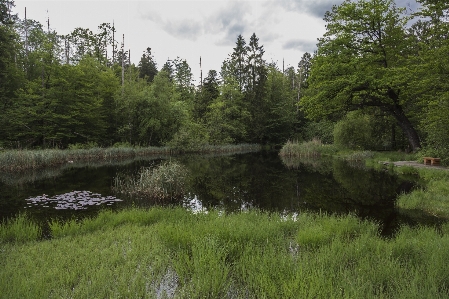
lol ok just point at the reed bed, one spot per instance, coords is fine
(162, 183)
(313, 148)
(173, 253)
(19, 160)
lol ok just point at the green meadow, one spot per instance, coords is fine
(174, 253)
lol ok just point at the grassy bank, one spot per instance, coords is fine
(18, 160)
(433, 198)
(177, 254)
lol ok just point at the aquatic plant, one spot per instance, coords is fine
(313, 148)
(74, 200)
(161, 183)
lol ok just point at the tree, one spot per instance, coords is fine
(431, 74)
(238, 62)
(162, 113)
(281, 116)
(147, 66)
(256, 91)
(11, 74)
(362, 61)
(206, 95)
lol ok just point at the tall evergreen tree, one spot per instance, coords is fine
(238, 62)
(147, 66)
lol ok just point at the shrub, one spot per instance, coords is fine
(355, 131)
(322, 130)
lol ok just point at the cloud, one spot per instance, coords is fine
(224, 20)
(411, 6)
(317, 8)
(187, 29)
(300, 45)
(230, 20)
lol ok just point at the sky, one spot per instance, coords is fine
(190, 29)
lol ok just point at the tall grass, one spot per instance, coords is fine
(19, 229)
(18, 160)
(172, 253)
(313, 148)
(161, 183)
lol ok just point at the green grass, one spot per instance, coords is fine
(172, 252)
(19, 230)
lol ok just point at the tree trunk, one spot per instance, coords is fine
(406, 126)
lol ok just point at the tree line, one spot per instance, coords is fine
(378, 80)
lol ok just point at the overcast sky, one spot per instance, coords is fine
(190, 29)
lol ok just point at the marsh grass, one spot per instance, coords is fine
(19, 160)
(162, 183)
(173, 253)
(19, 229)
(313, 148)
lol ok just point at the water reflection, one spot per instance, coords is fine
(230, 183)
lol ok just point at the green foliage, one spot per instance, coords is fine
(147, 66)
(322, 130)
(355, 131)
(362, 62)
(190, 137)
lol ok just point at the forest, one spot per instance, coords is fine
(379, 80)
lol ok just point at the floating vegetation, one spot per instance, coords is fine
(75, 200)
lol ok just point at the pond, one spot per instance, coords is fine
(227, 182)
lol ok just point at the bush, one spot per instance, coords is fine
(355, 131)
(89, 145)
(322, 130)
(189, 138)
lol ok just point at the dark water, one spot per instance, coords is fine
(231, 183)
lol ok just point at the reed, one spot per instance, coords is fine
(161, 183)
(173, 253)
(19, 160)
(313, 148)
